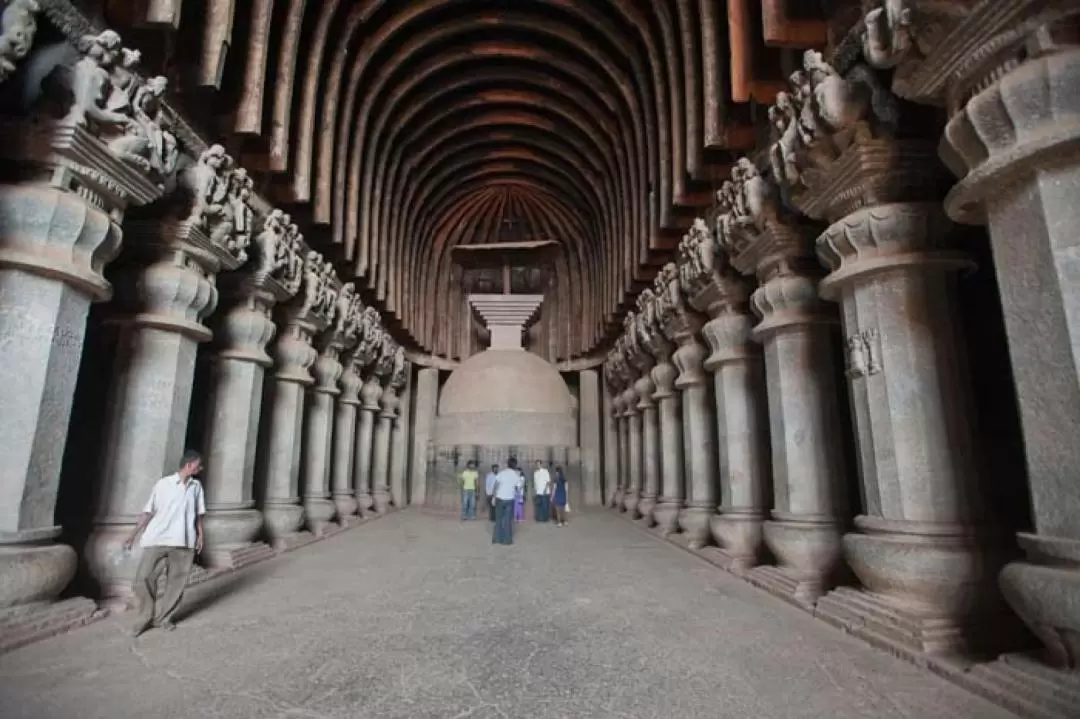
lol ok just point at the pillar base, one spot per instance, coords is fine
(630, 503)
(346, 505)
(666, 515)
(1045, 591)
(102, 548)
(617, 501)
(381, 500)
(320, 512)
(809, 552)
(927, 585)
(646, 506)
(283, 519)
(238, 556)
(35, 573)
(28, 623)
(694, 520)
(231, 528)
(739, 535)
(364, 504)
(1025, 685)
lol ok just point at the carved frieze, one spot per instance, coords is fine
(706, 274)
(279, 248)
(317, 301)
(863, 354)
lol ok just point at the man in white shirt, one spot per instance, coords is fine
(542, 490)
(506, 483)
(172, 534)
(489, 491)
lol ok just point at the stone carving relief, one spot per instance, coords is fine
(863, 353)
(320, 292)
(215, 198)
(400, 374)
(888, 33)
(384, 362)
(18, 26)
(349, 311)
(110, 100)
(280, 246)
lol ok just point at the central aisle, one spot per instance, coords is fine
(416, 616)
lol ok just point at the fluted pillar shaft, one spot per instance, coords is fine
(319, 437)
(589, 423)
(1015, 146)
(56, 236)
(370, 395)
(293, 358)
(633, 428)
(399, 448)
(625, 452)
(341, 476)
(611, 442)
(809, 476)
(427, 398)
(380, 451)
(699, 441)
(232, 421)
(742, 436)
(650, 448)
(150, 396)
(672, 490)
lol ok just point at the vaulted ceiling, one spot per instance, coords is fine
(401, 128)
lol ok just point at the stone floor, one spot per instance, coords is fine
(420, 616)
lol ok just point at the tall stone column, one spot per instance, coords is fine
(650, 448)
(399, 443)
(797, 333)
(320, 417)
(625, 451)
(681, 325)
(341, 475)
(1014, 144)
(589, 421)
(167, 288)
(294, 356)
(621, 469)
(59, 227)
(739, 389)
(370, 394)
(427, 398)
(233, 412)
(389, 366)
(611, 439)
(633, 430)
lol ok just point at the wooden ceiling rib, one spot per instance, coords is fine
(402, 129)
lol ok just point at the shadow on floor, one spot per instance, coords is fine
(208, 593)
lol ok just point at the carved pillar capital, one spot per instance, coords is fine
(351, 383)
(371, 393)
(389, 402)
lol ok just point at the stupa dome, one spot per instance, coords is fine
(505, 397)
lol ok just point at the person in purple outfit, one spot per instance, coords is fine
(519, 504)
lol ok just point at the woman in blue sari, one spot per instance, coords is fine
(558, 498)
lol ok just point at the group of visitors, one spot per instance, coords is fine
(505, 492)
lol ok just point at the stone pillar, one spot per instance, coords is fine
(319, 510)
(1015, 146)
(233, 413)
(809, 477)
(743, 436)
(341, 476)
(611, 440)
(163, 304)
(294, 357)
(623, 419)
(589, 424)
(427, 398)
(699, 440)
(633, 430)
(672, 491)
(399, 447)
(650, 448)
(370, 395)
(58, 230)
(380, 449)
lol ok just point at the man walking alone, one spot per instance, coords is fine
(542, 488)
(172, 520)
(489, 491)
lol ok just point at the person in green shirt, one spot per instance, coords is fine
(468, 491)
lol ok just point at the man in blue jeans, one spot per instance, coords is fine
(506, 483)
(468, 491)
(542, 488)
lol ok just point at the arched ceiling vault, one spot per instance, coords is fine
(401, 129)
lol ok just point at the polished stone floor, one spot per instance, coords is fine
(417, 616)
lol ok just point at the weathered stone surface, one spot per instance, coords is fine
(295, 636)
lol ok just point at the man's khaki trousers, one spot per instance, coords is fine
(176, 563)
